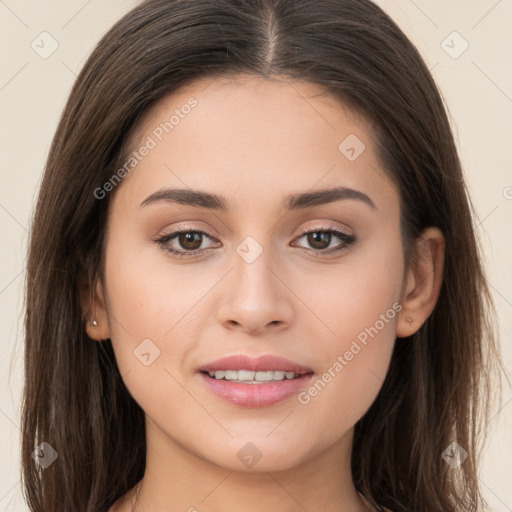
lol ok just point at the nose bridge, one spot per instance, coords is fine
(254, 298)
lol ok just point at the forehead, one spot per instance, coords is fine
(248, 135)
(245, 91)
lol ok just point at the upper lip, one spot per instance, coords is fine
(258, 364)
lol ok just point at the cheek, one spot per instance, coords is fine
(153, 313)
(355, 364)
(359, 292)
(359, 314)
(150, 299)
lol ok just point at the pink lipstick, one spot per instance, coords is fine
(255, 382)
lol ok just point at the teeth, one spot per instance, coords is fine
(245, 375)
(251, 377)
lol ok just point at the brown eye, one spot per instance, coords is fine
(319, 239)
(185, 242)
(190, 240)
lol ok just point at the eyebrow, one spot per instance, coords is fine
(210, 201)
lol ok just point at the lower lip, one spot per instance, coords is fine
(256, 395)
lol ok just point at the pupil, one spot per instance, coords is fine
(190, 240)
(319, 240)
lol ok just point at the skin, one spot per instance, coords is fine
(254, 142)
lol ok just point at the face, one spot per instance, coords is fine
(255, 259)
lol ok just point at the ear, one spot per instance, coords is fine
(96, 318)
(422, 283)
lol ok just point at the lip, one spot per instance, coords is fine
(264, 363)
(255, 395)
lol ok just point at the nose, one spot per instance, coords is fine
(255, 298)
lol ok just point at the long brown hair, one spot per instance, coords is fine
(438, 387)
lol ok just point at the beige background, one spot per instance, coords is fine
(476, 84)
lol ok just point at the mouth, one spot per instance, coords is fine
(255, 382)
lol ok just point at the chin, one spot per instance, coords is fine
(258, 456)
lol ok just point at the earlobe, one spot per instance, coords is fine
(423, 282)
(96, 318)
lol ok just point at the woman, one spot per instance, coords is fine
(253, 280)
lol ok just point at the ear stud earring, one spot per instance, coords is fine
(94, 323)
(408, 319)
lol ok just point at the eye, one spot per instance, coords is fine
(184, 242)
(189, 242)
(321, 239)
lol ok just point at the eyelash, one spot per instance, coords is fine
(348, 241)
